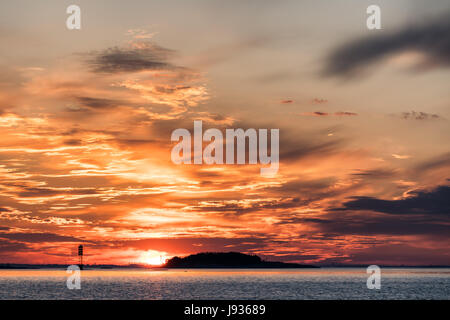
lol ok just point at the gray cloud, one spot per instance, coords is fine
(30, 192)
(375, 173)
(419, 116)
(38, 237)
(431, 39)
(433, 202)
(393, 254)
(291, 150)
(116, 60)
(438, 162)
(98, 103)
(372, 226)
(219, 206)
(325, 114)
(7, 247)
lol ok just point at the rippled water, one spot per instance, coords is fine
(324, 283)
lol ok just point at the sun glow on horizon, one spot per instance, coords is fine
(153, 258)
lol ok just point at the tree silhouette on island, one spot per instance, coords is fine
(227, 260)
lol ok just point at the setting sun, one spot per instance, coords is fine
(153, 258)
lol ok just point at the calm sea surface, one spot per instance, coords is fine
(324, 283)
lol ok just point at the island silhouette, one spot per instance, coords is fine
(199, 260)
(227, 260)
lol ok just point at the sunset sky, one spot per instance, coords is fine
(86, 118)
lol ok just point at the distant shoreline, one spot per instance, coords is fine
(14, 266)
(208, 260)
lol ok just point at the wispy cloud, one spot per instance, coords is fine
(413, 115)
(324, 114)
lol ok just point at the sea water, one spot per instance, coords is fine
(323, 283)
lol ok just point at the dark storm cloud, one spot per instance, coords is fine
(115, 60)
(432, 39)
(433, 202)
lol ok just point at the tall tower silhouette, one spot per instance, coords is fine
(80, 255)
